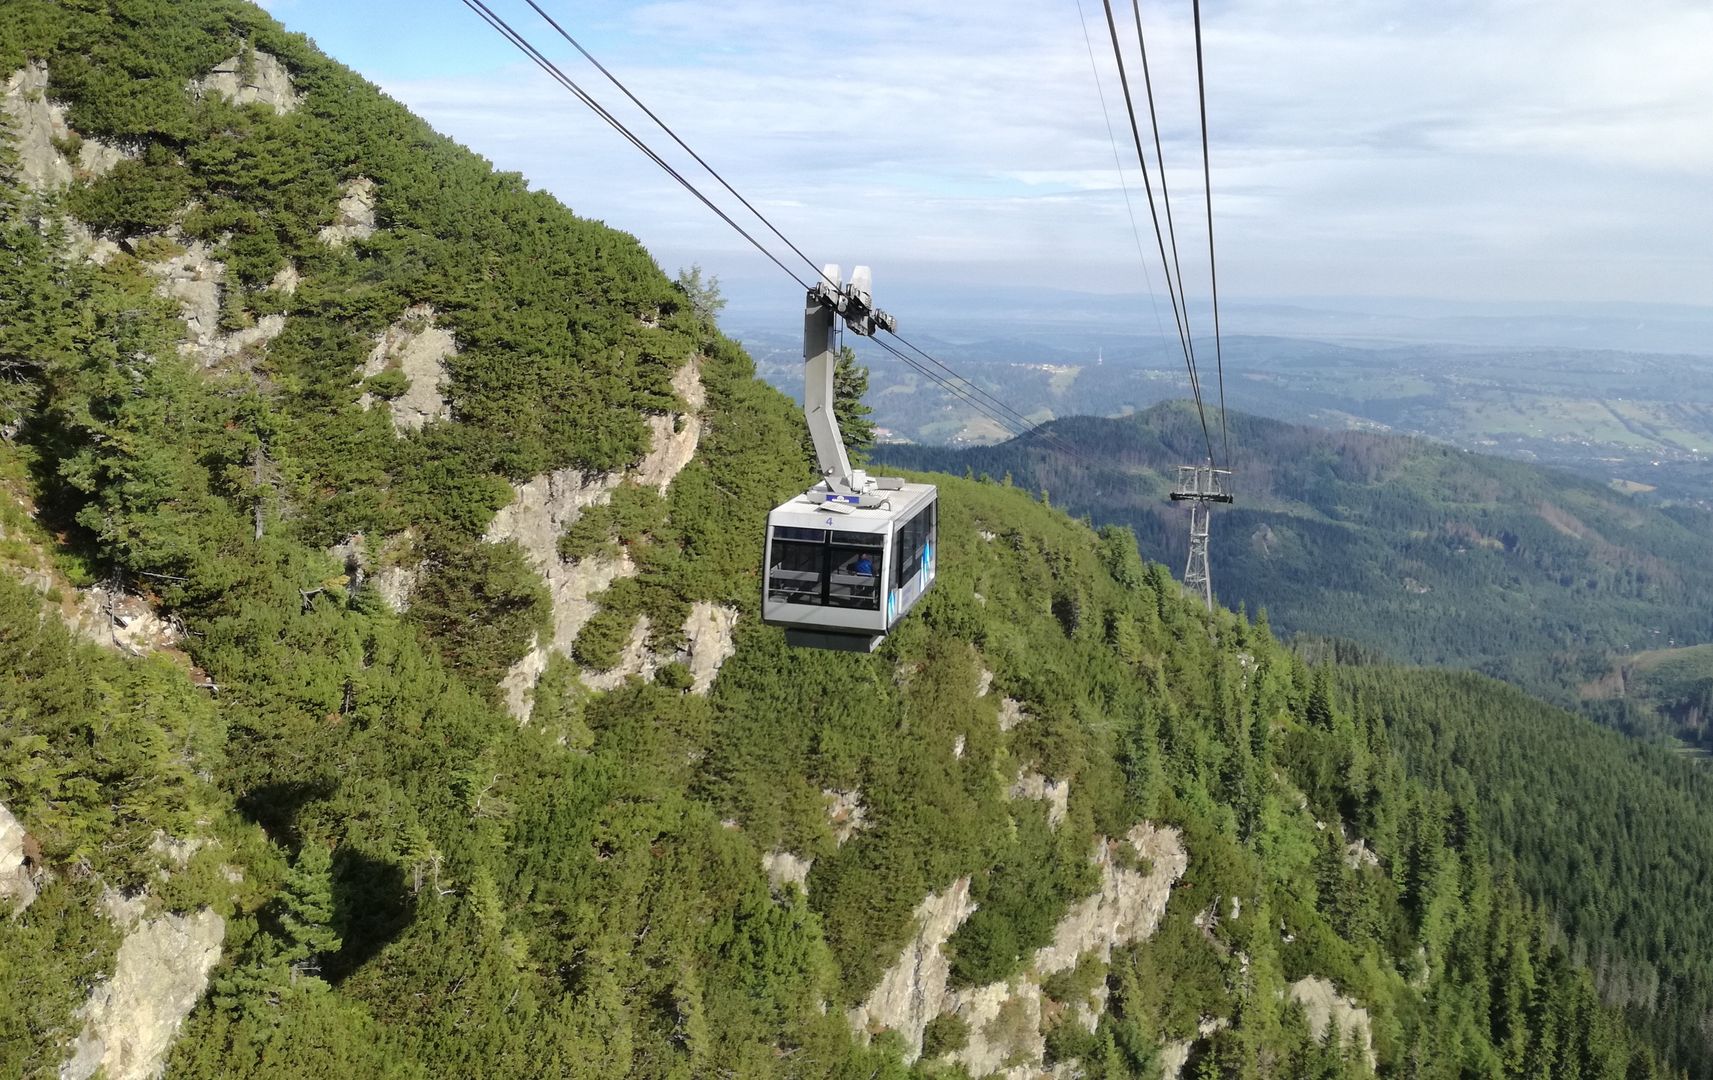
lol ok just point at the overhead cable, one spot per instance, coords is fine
(1166, 196)
(1030, 426)
(1159, 236)
(614, 79)
(1212, 266)
(1004, 415)
(1020, 417)
(1118, 165)
(564, 80)
(1011, 427)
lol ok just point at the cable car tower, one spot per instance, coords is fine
(848, 558)
(1201, 486)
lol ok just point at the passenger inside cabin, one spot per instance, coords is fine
(864, 566)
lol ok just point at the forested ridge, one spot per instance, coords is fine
(1430, 553)
(1612, 835)
(410, 882)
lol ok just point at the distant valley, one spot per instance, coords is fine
(1431, 554)
(1640, 422)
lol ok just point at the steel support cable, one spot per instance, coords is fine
(614, 79)
(1165, 192)
(1159, 236)
(565, 81)
(973, 387)
(1017, 429)
(1022, 425)
(1166, 197)
(1029, 425)
(1118, 164)
(1212, 267)
(952, 388)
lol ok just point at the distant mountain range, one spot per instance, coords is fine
(1076, 319)
(1639, 420)
(1429, 553)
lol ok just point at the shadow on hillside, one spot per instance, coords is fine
(371, 907)
(371, 902)
(275, 806)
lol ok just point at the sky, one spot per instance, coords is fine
(1503, 152)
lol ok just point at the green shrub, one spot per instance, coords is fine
(946, 1033)
(603, 639)
(389, 384)
(1068, 1040)
(137, 196)
(481, 605)
(674, 676)
(1077, 984)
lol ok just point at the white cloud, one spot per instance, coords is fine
(1502, 148)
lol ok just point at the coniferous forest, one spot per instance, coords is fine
(410, 860)
(1425, 552)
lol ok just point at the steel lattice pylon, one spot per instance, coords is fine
(1201, 486)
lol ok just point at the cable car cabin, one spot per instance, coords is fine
(848, 558)
(841, 576)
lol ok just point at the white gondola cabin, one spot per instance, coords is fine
(851, 556)
(840, 576)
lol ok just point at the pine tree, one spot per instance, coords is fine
(307, 914)
(850, 385)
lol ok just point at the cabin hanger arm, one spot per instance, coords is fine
(826, 303)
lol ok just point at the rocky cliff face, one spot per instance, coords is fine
(252, 78)
(1324, 1005)
(543, 508)
(131, 1019)
(1004, 1018)
(914, 989)
(418, 349)
(17, 885)
(37, 124)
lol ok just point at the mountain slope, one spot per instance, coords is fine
(461, 749)
(1432, 554)
(1612, 835)
(1658, 693)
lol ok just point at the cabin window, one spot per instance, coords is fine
(840, 569)
(854, 578)
(914, 538)
(797, 574)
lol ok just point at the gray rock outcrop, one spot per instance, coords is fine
(394, 584)
(17, 886)
(123, 621)
(1323, 1005)
(708, 633)
(545, 506)
(1004, 1018)
(286, 279)
(783, 868)
(257, 79)
(845, 814)
(675, 435)
(913, 990)
(356, 217)
(96, 158)
(419, 349)
(36, 123)
(130, 1020)
(1055, 793)
(194, 278)
(634, 659)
